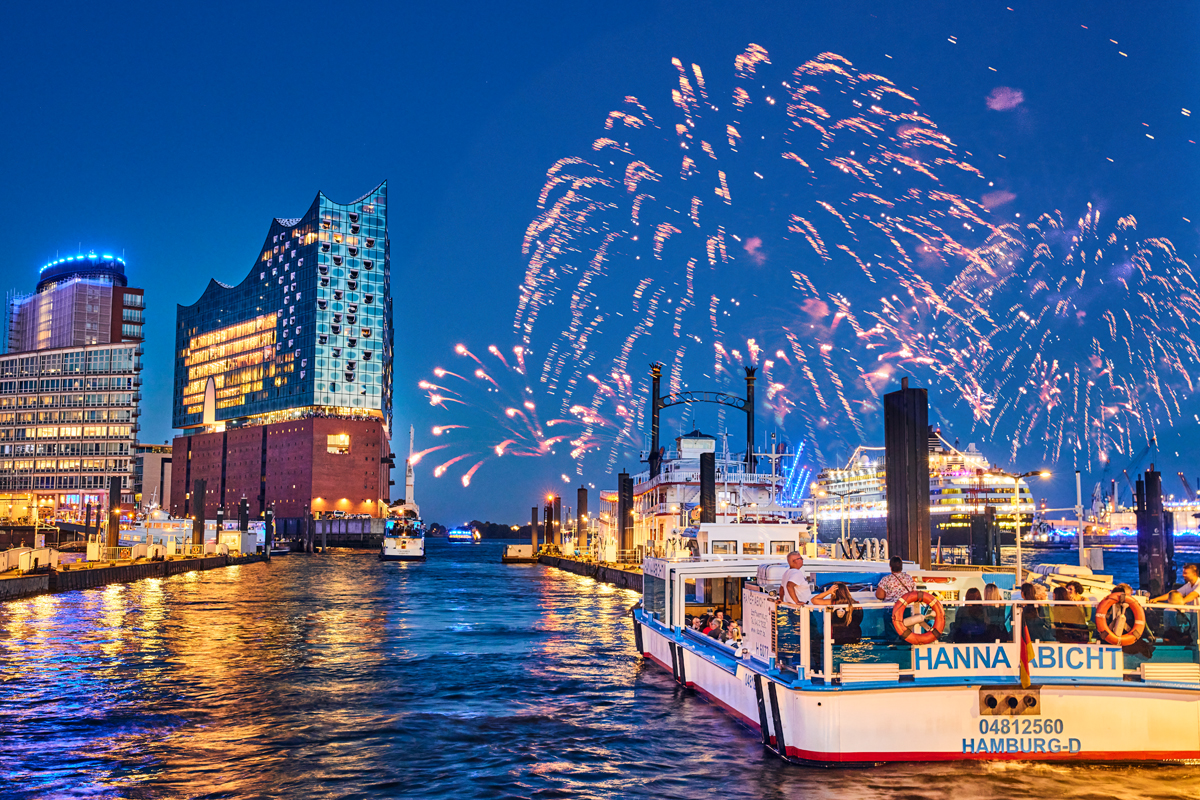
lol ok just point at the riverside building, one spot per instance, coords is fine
(283, 383)
(70, 389)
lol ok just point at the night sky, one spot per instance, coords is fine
(174, 134)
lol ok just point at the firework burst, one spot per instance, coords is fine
(795, 214)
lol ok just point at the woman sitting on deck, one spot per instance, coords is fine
(846, 620)
(1033, 618)
(996, 614)
(1070, 622)
(970, 623)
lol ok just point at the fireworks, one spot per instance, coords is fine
(506, 420)
(1093, 349)
(817, 224)
(808, 213)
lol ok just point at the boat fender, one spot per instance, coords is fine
(1106, 633)
(905, 625)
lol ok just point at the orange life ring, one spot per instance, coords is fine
(1106, 633)
(907, 633)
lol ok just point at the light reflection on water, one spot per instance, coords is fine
(339, 676)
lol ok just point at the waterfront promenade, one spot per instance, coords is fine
(85, 576)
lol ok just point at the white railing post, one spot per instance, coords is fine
(805, 644)
(827, 656)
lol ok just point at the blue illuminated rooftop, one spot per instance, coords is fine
(92, 265)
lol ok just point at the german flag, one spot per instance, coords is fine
(1026, 656)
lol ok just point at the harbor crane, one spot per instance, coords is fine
(1187, 488)
(1134, 463)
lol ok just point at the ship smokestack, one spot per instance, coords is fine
(708, 487)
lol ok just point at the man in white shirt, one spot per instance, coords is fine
(795, 590)
(1190, 588)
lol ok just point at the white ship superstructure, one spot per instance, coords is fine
(667, 505)
(962, 483)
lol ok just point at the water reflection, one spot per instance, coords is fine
(340, 676)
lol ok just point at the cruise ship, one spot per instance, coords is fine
(962, 483)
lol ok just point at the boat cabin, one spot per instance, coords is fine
(751, 539)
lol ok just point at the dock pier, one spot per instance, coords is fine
(84, 577)
(623, 578)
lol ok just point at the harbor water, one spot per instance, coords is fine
(338, 676)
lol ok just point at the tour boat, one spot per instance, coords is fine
(403, 540)
(462, 535)
(910, 688)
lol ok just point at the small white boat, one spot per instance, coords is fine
(913, 680)
(404, 540)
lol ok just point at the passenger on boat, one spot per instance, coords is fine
(716, 625)
(734, 632)
(1178, 627)
(1032, 617)
(970, 622)
(846, 618)
(892, 587)
(1070, 622)
(1190, 590)
(794, 589)
(996, 613)
(1075, 592)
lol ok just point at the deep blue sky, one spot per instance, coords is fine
(175, 133)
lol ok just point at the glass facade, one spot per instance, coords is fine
(68, 422)
(307, 332)
(79, 300)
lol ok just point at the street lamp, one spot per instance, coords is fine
(1041, 473)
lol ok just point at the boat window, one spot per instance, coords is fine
(654, 597)
(753, 548)
(724, 547)
(782, 548)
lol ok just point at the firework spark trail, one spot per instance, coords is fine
(819, 214)
(506, 407)
(835, 173)
(1099, 348)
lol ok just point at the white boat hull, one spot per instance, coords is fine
(858, 724)
(402, 548)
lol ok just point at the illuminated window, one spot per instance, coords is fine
(338, 444)
(726, 547)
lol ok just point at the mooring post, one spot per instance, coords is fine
(751, 461)
(655, 404)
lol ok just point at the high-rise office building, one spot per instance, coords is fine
(152, 475)
(79, 300)
(70, 389)
(283, 383)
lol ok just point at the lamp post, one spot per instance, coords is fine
(1041, 473)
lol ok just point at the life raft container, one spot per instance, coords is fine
(1106, 633)
(905, 625)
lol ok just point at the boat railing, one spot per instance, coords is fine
(1063, 641)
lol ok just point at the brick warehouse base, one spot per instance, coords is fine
(287, 465)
